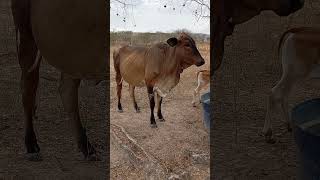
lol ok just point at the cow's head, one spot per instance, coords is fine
(228, 13)
(186, 51)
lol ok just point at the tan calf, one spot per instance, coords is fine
(299, 51)
(203, 79)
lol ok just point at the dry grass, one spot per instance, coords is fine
(173, 141)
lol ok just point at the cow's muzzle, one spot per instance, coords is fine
(200, 62)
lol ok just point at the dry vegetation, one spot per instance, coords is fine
(170, 148)
(134, 38)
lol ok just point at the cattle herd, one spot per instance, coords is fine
(77, 49)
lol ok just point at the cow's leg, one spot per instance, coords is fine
(27, 51)
(119, 89)
(153, 123)
(159, 113)
(196, 91)
(29, 85)
(196, 94)
(279, 98)
(135, 105)
(286, 114)
(68, 90)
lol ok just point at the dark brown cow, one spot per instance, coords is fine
(228, 13)
(73, 40)
(158, 67)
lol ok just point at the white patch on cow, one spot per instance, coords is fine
(165, 84)
(159, 92)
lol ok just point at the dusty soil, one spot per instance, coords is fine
(178, 147)
(61, 160)
(240, 91)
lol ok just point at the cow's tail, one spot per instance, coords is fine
(116, 62)
(285, 35)
(115, 55)
(281, 41)
(116, 65)
(200, 71)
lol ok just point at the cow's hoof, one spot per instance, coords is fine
(269, 137)
(138, 111)
(270, 140)
(162, 120)
(153, 125)
(31, 143)
(120, 111)
(194, 104)
(35, 157)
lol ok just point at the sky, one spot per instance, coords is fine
(152, 16)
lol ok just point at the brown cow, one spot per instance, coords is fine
(299, 53)
(73, 40)
(203, 79)
(228, 13)
(158, 67)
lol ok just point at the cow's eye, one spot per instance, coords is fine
(187, 45)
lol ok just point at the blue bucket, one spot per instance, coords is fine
(306, 128)
(206, 106)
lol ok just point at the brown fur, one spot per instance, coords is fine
(158, 67)
(74, 44)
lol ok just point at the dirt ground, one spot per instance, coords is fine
(250, 69)
(179, 147)
(61, 160)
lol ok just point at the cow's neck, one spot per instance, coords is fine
(172, 60)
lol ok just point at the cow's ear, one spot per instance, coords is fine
(172, 41)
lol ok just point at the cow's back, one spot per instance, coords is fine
(132, 64)
(76, 43)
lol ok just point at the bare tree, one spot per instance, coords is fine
(121, 8)
(125, 8)
(199, 8)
